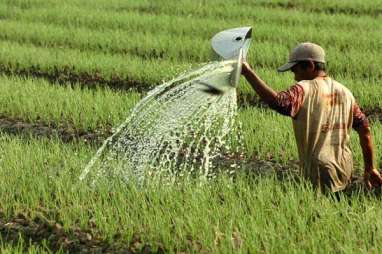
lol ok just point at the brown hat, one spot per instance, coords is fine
(303, 52)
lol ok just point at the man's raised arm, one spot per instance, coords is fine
(265, 92)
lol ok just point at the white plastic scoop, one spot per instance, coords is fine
(228, 43)
(231, 45)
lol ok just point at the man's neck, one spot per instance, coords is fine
(319, 74)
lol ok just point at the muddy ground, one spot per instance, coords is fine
(69, 133)
(37, 230)
(65, 132)
(69, 76)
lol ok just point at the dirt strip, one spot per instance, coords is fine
(65, 132)
(69, 77)
(37, 230)
(374, 114)
(69, 133)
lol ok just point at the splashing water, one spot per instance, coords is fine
(178, 129)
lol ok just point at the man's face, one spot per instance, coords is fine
(298, 72)
(303, 73)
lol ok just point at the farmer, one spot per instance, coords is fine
(323, 112)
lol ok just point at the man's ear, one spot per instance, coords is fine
(311, 66)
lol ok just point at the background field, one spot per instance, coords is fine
(70, 72)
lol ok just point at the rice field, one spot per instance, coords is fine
(71, 72)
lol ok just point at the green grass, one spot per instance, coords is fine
(101, 43)
(166, 43)
(28, 59)
(250, 214)
(139, 44)
(217, 7)
(82, 108)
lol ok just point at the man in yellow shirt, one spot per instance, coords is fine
(323, 112)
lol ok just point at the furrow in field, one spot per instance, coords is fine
(51, 234)
(65, 64)
(70, 64)
(88, 109)
(63, 131)
(67, 132)
(67, 77)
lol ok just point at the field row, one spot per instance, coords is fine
(181, 25)
(130, 71)
(91, 109)
(249, 214)
(101, 109)
(184, 47)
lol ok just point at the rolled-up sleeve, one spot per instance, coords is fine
(288, 102)
(359, 118)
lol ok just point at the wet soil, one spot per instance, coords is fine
(37, 230)
(374, 114)
(69, 133)
(68, 76)
(65, 132)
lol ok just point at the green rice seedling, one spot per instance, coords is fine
(78, 65)
(131, 70)
(223, 9)
(167, 45)
(82, 108)
(248, 214)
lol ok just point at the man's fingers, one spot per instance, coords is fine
(368, 184)
(379, 177)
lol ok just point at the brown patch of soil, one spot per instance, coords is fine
(69, 133)
(69, 76)
(374, 114)
(73, 240)
(65, 131)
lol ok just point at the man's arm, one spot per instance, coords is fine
(361, 125)
(286, 102)
(366, 142)
(265, 92)
(372, 176)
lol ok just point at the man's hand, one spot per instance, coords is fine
(372, 178)
(245, 68)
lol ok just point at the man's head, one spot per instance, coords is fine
(306, 61)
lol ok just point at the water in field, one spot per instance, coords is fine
(181, 128)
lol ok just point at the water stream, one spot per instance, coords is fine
(181, 128)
